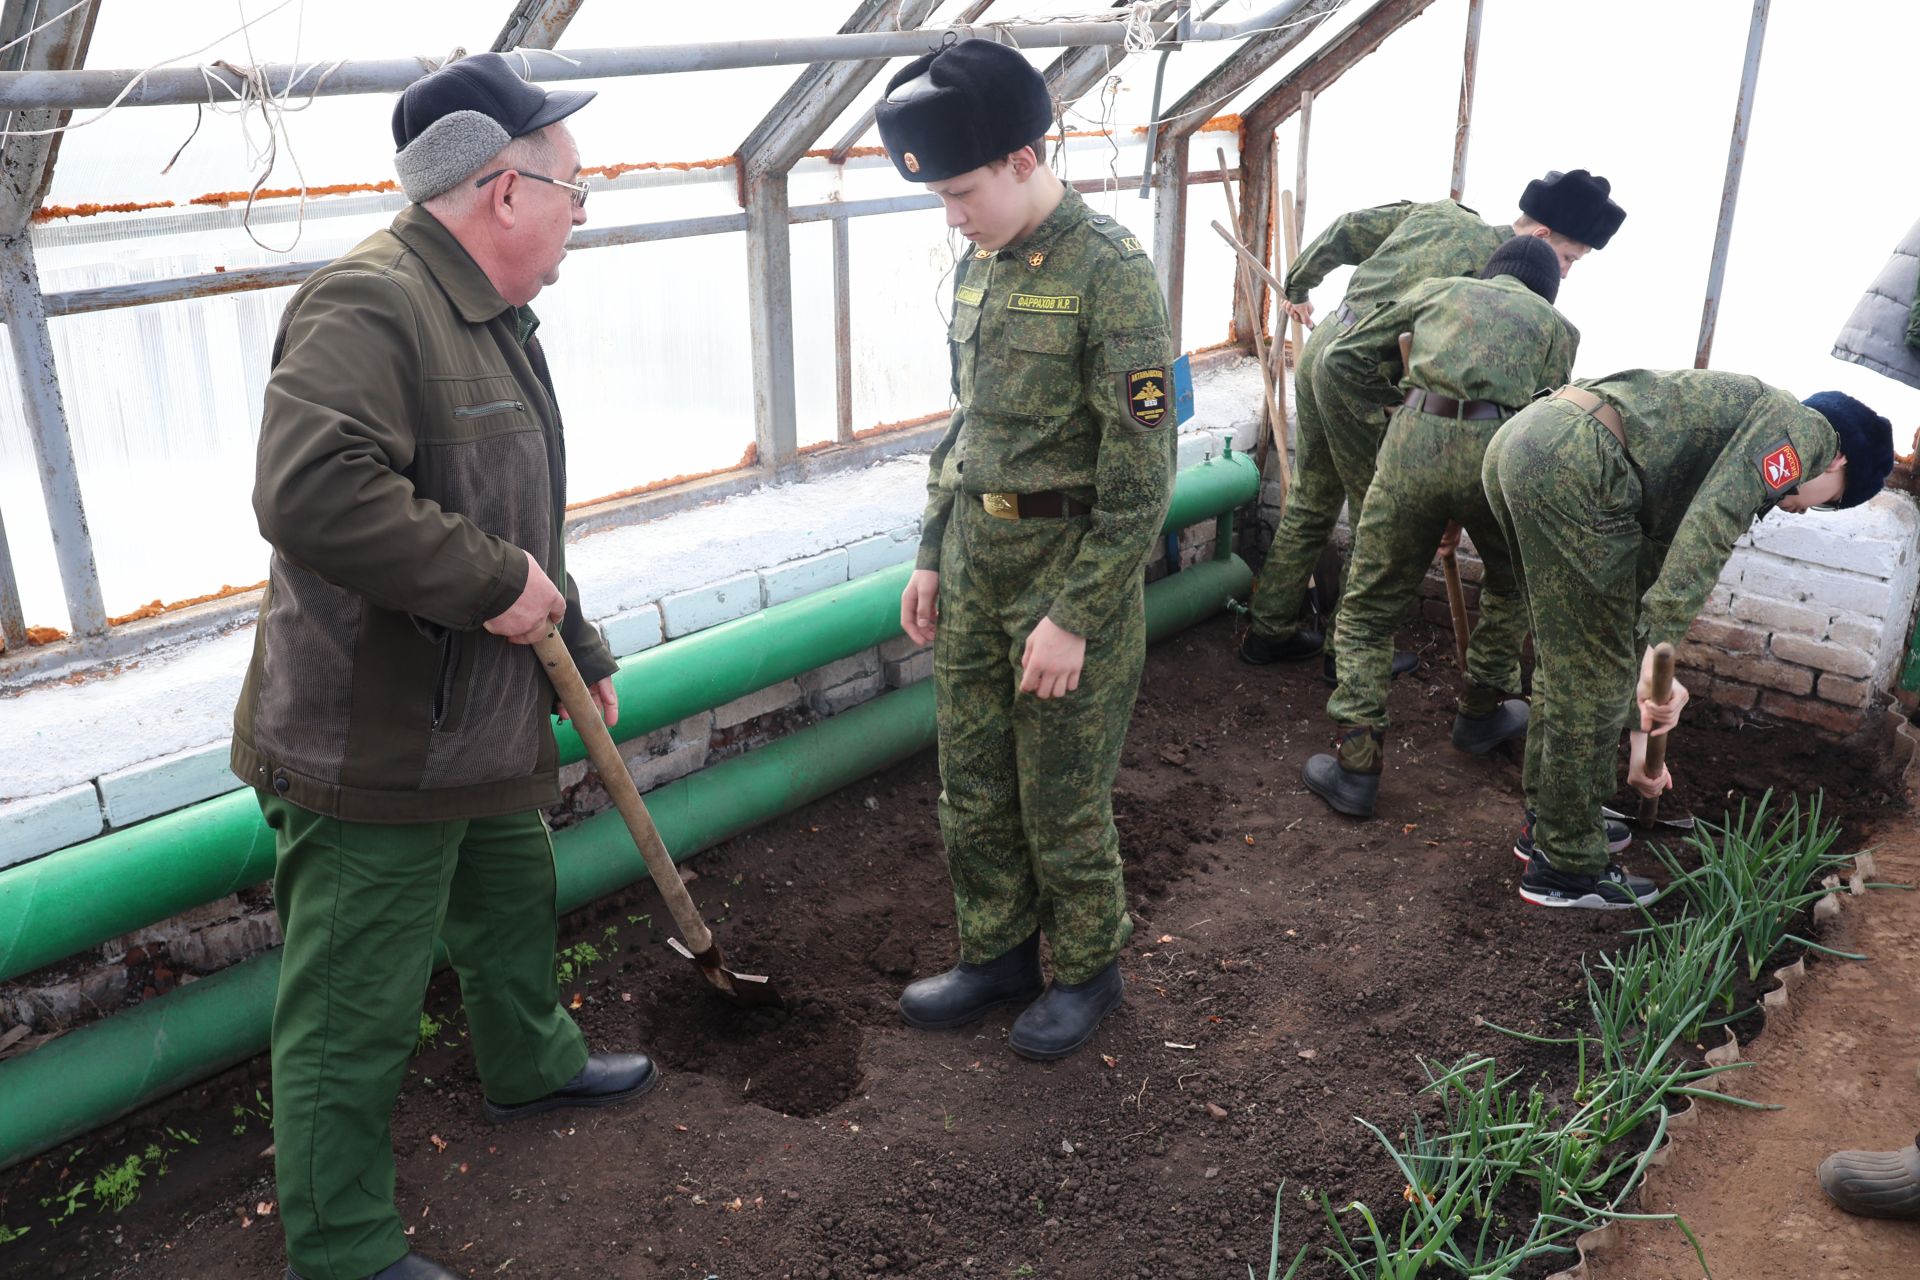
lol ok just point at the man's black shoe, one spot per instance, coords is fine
(1348, 791)
(607, 1079)
(1403, 662)
(411, 1267)
(1066, 1016)
(1259, 650)
(1611, 890)
(1619, 836)
(967, 992)
(1481, 734)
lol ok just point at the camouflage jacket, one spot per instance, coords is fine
(1712, 451)
(1394, 247)
(1472, 340)
(1061, 356)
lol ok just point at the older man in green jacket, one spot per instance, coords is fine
(411, 480)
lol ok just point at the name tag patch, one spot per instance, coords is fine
(969, 295)
(1780, 466)
(1145, 392)
(1047, 304)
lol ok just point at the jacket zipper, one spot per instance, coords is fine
(487, 409)
(443, 686)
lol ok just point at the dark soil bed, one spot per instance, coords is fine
(1288, 971)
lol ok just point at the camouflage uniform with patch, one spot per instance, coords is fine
(1486, 340)
(1392, 248)
(1618, 550)
(1061, 356)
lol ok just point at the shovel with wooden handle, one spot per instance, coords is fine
(1449, 562)
(700, 946)
(1657, 743)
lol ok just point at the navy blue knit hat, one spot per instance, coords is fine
(1866, 439)
(1531, 261)
(962, 106)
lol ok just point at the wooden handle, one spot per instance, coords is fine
(607, 762)
(1290, 240)
(1657, 744)
(1456, 604)
(1406, 352)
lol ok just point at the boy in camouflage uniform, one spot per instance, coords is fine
(1043, 501)
(1621, 498)
(1391, 248)
(1480, 349)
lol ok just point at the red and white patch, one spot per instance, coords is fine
(1780, 468)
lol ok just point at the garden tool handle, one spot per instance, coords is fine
(607, 762)
(1456, 605)
(1657, 743)
(1406, 353)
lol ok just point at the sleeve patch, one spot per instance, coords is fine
(1146, 396)
(1779, 466)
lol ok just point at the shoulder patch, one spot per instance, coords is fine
(1145, 394)
(1121, 238)
(1779, 465)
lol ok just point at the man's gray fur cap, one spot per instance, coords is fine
(450, 122)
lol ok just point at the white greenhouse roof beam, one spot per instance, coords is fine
(26, 164)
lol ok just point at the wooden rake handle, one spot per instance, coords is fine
(1657, 744)
(607, 762)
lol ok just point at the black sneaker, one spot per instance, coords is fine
(1259, 651)
(1612, 890)
(1619, 836)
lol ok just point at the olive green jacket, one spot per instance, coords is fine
(410, 450)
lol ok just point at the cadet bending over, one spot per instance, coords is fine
(1481, 348)
(1621, 498)
(1392, 248)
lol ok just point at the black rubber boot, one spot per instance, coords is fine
(1350, 780)
(1258, 650)
(1403, 662)
(1874, 1184)
(1481, 734)
(968, 992)
(1066, 1016)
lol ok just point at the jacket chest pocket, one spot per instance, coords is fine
(1032, 366)
(961, 347)
(463, 410)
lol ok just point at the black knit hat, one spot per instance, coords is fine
(960, 107)
(1575, 204)
(1531, 261)
(1866, 439)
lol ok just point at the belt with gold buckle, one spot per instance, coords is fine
(1026, 506)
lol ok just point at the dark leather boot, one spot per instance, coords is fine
(411, 1267)
(1479, 729)
(1066, 1016)
(1259, 650)
(968, 992)
(1349, 780)
(1875, 1184)
(608, 1078)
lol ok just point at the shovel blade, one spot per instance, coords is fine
(1682, 823)
(749, 990)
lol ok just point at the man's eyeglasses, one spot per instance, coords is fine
(579, 189)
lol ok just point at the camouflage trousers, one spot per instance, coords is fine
(1026, 800)
(1332, 463)
(1428, 473)
(1568, 501)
